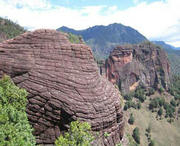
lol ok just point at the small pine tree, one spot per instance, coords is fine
(152, 143)
(160, 112)
(136, 135)
(131, 119)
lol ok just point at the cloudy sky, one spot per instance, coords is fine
(156, 19)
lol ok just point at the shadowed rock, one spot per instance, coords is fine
(146, 64)
(63, 83)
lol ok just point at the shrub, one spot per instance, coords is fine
(156, 102)
(148, 129)
(74, 38)
(151, 91)
(15, 129)
(173, 102)
(128, 96)
(160, 112)
(139, 105)
(131, 119)
(130, 104)
(152, 143)
(140, 94)
(125, 107)
(153, 104)
(161, 90)
(106, 134)
(79, 134)
(136, 135)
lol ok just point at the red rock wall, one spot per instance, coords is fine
(145, 63)
(63, 83)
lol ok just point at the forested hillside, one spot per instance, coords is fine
(9, 29)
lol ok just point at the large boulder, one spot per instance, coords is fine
(64, 85)
(129, 66)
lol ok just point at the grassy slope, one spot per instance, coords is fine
(164, 133)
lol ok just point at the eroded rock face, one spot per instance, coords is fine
(63, 83)
(129, 66)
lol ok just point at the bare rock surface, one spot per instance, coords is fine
(146, 64)
(63, 83)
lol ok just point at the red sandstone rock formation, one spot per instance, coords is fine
(63, 83)
(128, 66)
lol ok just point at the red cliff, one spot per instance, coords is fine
(64, 85)
(145, 64)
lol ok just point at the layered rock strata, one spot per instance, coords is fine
(64, 85)
(145, 64)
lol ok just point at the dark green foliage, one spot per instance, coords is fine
(140, 94)
(151, 91)
(156, 102)
(139, 105)
(173, 102)
(152, 143)
(169, 110)
(160, 112)
(130, 104)
(136, 135)
(15, 129)
(125, 107)
(128, 96)
(79, 134)
(148, 129)
(161, 90)
(9, 29)
(131, 119)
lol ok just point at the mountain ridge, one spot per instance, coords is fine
(102, 39)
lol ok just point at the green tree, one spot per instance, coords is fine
(79, 134)
(152, 143)
(139, 105)
(151, 91)
(173, 102)
(140, 94)
(161, 90)
(15, 129)
(160, 112)
(136, 135)
(131, 119)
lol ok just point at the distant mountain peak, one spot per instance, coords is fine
(102, 39)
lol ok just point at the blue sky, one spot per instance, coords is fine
(121, 4)
(156, 19)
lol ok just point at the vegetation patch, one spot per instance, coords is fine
(9, 29)
(15, 129)
(79, 134)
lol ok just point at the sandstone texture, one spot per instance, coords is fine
(64, 84)
(132, 65)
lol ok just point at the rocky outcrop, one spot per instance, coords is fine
(64, 85)
(145, 64)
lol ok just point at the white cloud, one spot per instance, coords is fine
(159, 20)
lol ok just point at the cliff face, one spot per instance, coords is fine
(129, 66)
(64, 85)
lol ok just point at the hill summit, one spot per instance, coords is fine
(102, 39)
